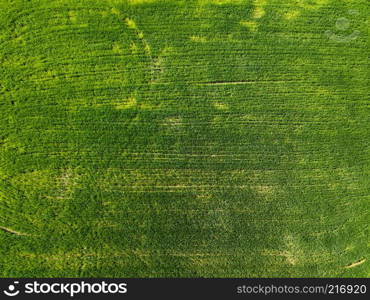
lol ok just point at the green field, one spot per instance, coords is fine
(194, 138)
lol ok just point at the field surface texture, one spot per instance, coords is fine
(198, 138)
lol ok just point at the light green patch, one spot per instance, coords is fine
(293, 251)
(173, 121)
(130, 23)
(291, 15)
(251, 25)
(259, 9)
(199, 39)
(266, 191)
(220, 106)
(140, 1)
(115, 11)
(134, 48)
(127, 103)
(117, 48)
(147, 47)
(220, 2)
(311, 4)
(72, 16)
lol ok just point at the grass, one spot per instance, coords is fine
(184, 138)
